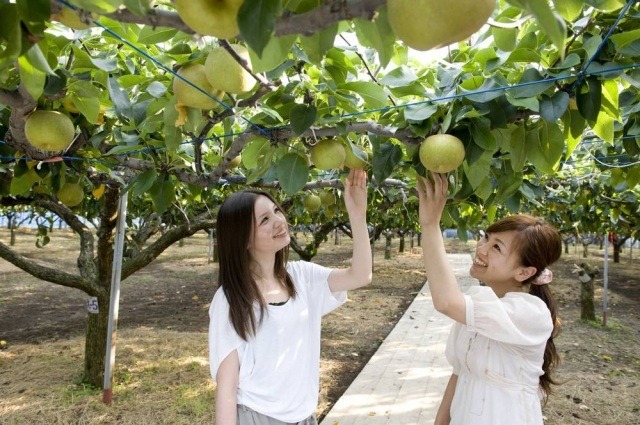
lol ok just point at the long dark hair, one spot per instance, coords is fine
(539, 245)
(234, 230)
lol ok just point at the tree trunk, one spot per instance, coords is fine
(616, 253)
(387, 247)
(587, 303)
(586, 275)
(95, 348)
(12, 239)
(401, 247)
(412, 236)
(566, 247)
(336, 240)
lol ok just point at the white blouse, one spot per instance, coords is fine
(279, 366)
(498, 358)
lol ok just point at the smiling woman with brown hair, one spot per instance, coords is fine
(264, 335)
(501, 346)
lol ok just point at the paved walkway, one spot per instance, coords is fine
(404, 381)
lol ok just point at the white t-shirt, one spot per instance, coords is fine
(279, 366)
(498, 358)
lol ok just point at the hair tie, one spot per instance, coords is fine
(545, 277)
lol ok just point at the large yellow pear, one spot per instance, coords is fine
(218, 18)
(188, 95)
(441, 153)
(429, 24)
(49, 130)
(328, 154)
(225, 73)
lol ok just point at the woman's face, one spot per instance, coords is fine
(270, 228)
(497, 263)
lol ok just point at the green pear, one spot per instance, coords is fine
(218, 18)
(328, 154)
(49, 130)
(441, 153)
(188, 95)
(225, 73)
(429, 24)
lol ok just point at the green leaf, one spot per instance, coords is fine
(399, 77)
(482, 136)
(138, 7)
(23, 183)
(604, 127)
(154, 35)
(293, 172)
(420, 112)
(478, 171)
(386, 157)
(11, 33)
(318, 44)
(505, 38)
(552, 108)
(574, 125)
(549, 22)
(373, 95)
(533, 84)
(274, 54)
(302, 117)
(257, 20)
(589, 98)
(32, 78)
(624, 38)
(517, 151)
(144, 181)
(162, 193)
(255, 152)
(36, 58)
(569, 9)
(377, 34)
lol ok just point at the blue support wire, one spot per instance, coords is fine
(265, 130)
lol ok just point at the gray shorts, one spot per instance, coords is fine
(247, 416)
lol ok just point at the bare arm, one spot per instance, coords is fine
(444, 411)
(359, 272)
(227, 391)
(447, 297)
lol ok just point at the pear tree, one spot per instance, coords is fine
(520, 93)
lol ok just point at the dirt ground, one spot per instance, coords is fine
(168, 300)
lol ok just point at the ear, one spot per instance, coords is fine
(525, 273)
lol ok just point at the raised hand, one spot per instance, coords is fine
(433, 197)
(355, 194)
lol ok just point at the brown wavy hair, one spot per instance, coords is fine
(234, 230)
(539, 245)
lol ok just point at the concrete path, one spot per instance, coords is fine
(404, 381)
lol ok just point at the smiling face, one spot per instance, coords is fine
(497, 263)
(270, 229)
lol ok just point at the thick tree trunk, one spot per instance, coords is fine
(95, 348)
(401, 247)
(586, 275)
(616, 253)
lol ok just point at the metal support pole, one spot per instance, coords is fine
(605, 279)
(116, 272)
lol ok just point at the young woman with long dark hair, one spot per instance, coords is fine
(264, 334)
(501, 346)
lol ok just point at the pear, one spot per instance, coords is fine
(441, 153)
(429, 24)
(225, 73)
(49, 130)
(218, 18)
(190, 96)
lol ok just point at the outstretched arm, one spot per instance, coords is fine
(447, 297)
(359, 272)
